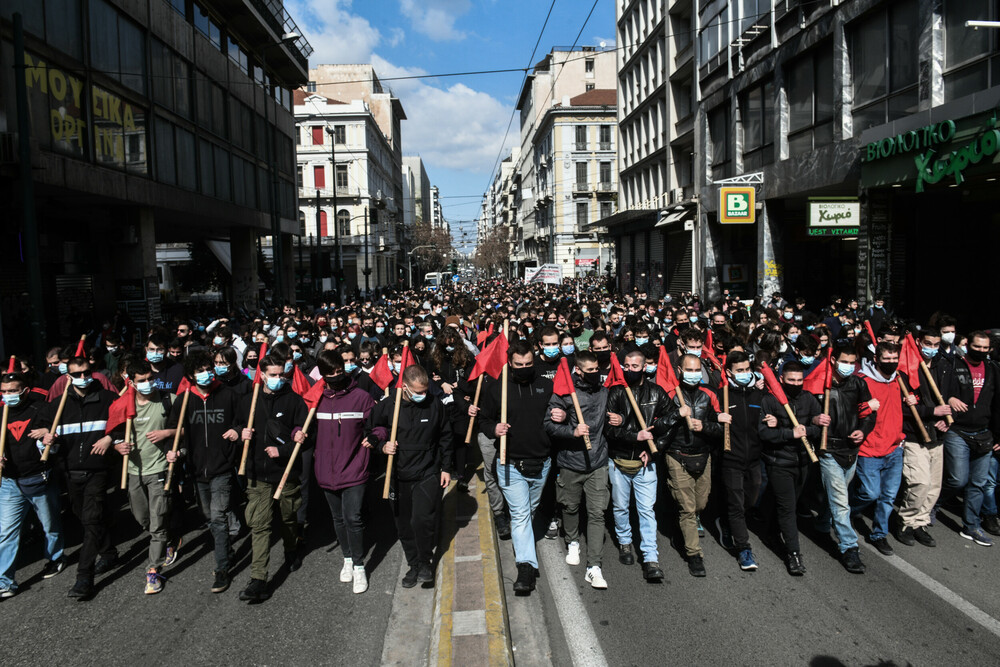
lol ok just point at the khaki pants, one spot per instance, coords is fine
(923, 467)
(691, 495)
(260, 507)
(570, 487)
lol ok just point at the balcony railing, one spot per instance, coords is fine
(281, 22)
(581, 146)
(326, 193)
(605, 145)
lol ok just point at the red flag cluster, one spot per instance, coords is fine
(483, 335)
(773, 385)
(300, 383)
(315, 393)
(405, 363)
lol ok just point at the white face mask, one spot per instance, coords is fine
(948, 337)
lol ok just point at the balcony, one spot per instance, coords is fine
(327, 193)
(581, 146)
(581, 186)
(264, 22)
(605, 146)
(607, 186)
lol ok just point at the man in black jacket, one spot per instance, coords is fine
(846, 430)
(785, 456)
(523, 476)
(277, 427)
(27, 482)
(687, 456)
(84, 446)
(212, 451)
(423, 466)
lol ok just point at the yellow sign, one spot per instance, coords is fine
(736, 206)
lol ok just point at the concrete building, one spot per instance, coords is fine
(409, 196)
(421, 187)
(561, 76)
(162, 121)
(842, 117)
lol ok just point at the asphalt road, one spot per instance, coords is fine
(311, 618)
(907, 613)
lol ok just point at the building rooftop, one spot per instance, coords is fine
(599, 97)
(299, 97)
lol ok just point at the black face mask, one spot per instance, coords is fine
(592, 379)
(251, 363)
(523, 375)
(338, 382)
(683, 326)
(975, 356)
(603, 357)
(887, 369)
(792, 390)
(576, 331)
(632, 377)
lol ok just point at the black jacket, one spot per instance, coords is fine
(655, 406)
(238, 382)
(277, 417)
(423, 435)
(207, 418)
(984, 413)
(24, 459)
(744, 438)
(704, 406)
(846, 397)
(778, 445)
(572, 452)
(83, 423)
(527, 405)
(940, 369)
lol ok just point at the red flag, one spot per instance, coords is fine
(406, 362)
(315, 393)
(909, 361)
(615, 377)
(123, 408)
(665, 376)
(821, 378)
(382, 372)
(258, 375)
(491, 360)
(773, 385)
(868, 327)
(562, 384)
(79, 348)
(10, 367)
(483, 335)
(183, 386)
(300, 383)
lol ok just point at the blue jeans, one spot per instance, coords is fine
(643, 484)
(523, 495)
(837, 481)
(214, 494)
(964, 471)
(878, 479)
(13, 506)
(990, 489)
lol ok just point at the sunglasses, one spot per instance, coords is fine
(79, 374)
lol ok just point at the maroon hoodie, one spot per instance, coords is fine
(341, 417)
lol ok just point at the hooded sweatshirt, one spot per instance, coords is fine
(888, 431)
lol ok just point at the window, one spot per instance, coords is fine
(589, 87)
(718, 128)
(311, 87)
(206, 178)
(605, 137)
(588, 65)
(968, 67)
(340, 134)
(238, 54)
(344, 222)
(884, 65)
(117, 46)
(605, 209)
(715, 36)
(319, 177)
(317, 136)
(581, 176)
(163, 147)
(581, 137)
(178, 6)
(605, 175)
(582, 215)
(757, 114)
(754, 11)
(207, 26)
(810, 101)
(187, 170)
(221, 165)
(63, 26)
(341, 177)
(298, 176)
(322, 224)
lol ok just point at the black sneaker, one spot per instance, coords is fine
(255, 592)
(105, 565)
(53, 567)
(696, 566)
(425, 574)
(625, 554)
(502, 524)
(293, 560)
(851, 560)
(463, 487)
(794, 564)
(222, 582)
(553, 531)
(410, 578)
(525, 582)
(83, 589)
(883, 546)
(905, 536)
(651, 571)
(921, 535)
(991, 524)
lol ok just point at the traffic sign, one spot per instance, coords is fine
(737, 206)
(455, 278)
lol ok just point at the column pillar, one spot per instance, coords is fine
(243, 248)
(770, 272)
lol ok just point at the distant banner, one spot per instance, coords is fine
(546, 273)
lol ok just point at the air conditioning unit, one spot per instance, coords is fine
(689, 226)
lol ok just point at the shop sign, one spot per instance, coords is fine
(587, 262)
(736, 206)
(834, 214)
(925, 137)
(734, 273)
(833, 231)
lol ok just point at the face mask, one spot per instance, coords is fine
(418, 398)
(692, 377)
(338, 382)
(322, 339)
(887, 369)
(592, 379)
(112, 350)
(783, 348)
(203, 378)
(380, 330)
(292, 334)
(144, 388)
(650, 369)
(792, 390)
(437, 311)
(523, 375)
(288, 366)
(530, 330)
(251, 362)
(948, 337)
(62, 369)
(304, 339)
(743, 379)
(279, 339)
(844, 369)
(218, 340)
(632, 377)
(641, 341)
(793, 337)
(429, 336)
(807, 361)
(151, 357)
(296, 356)
(201, 328)
(963, 349)
(603, 357)
(929, 352)
(696, 353)
(976, 356)
(667, 322)
(352, 335)
(221, 370)
(11, 399)
(787, 316)
(395, 367)
(551, 352)
(274, 384)
(568, 349)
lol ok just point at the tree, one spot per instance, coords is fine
(437, 254)
(204, 273)
(493, 252)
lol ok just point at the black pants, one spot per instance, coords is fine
(307, 480)
(786, 485)
(416, 512)
(89, 500)
(345, 506)
(742, 487)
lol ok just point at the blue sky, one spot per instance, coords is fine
(455, 124)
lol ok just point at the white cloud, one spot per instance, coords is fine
(436, 18)
(336, 34)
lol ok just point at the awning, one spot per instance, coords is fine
(676, 216)
(632, 216)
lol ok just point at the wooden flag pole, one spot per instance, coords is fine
(680, 397)
(177, 438)
(246, 443)
(503, 403)
(385, 353)
(934, 389)
(579, 417)
(295, 452)
(128, 437)
(826, 411)
(913, 410)
(475, 403)
(3, 433)
(54, 430)
(638, 415)
(726, 439)
(805, 440)
(392, 433)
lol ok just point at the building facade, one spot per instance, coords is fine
(421, 187)
(161, 121)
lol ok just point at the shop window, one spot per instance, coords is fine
(718, 128)
(810, 101)
(884, 64)
(971, 61)
(757, 114)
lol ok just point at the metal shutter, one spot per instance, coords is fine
(678, 253)
(657, 275)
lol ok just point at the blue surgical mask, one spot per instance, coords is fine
(395, 368)
(288, 367)
(151, 357)
(429, 336)
(692, 377)
(793, 337)
(696, 353)
(204, 378)
(322, 339)
(350, 368)
(12, 399)
(292, 334)
(568, 349)
(807, 361)
(82, 383)
(530, 330)
(279, 339)
(63, 368)
(274, 384)
(352, 335)
(221, 370)
(296, 355)
(743, 379)
(667, 321)
(845, 369)
(218, 340)
(380, 330)
(641, 341)
(144, 388)
(650, 368)
(929, 352)
(449, 348)
(418, 398)
(551, 351)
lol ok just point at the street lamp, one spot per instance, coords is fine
(410, 254)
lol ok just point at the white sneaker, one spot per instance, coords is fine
(360, 579)
(595, 578)
(346, 574)
(573, 553)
